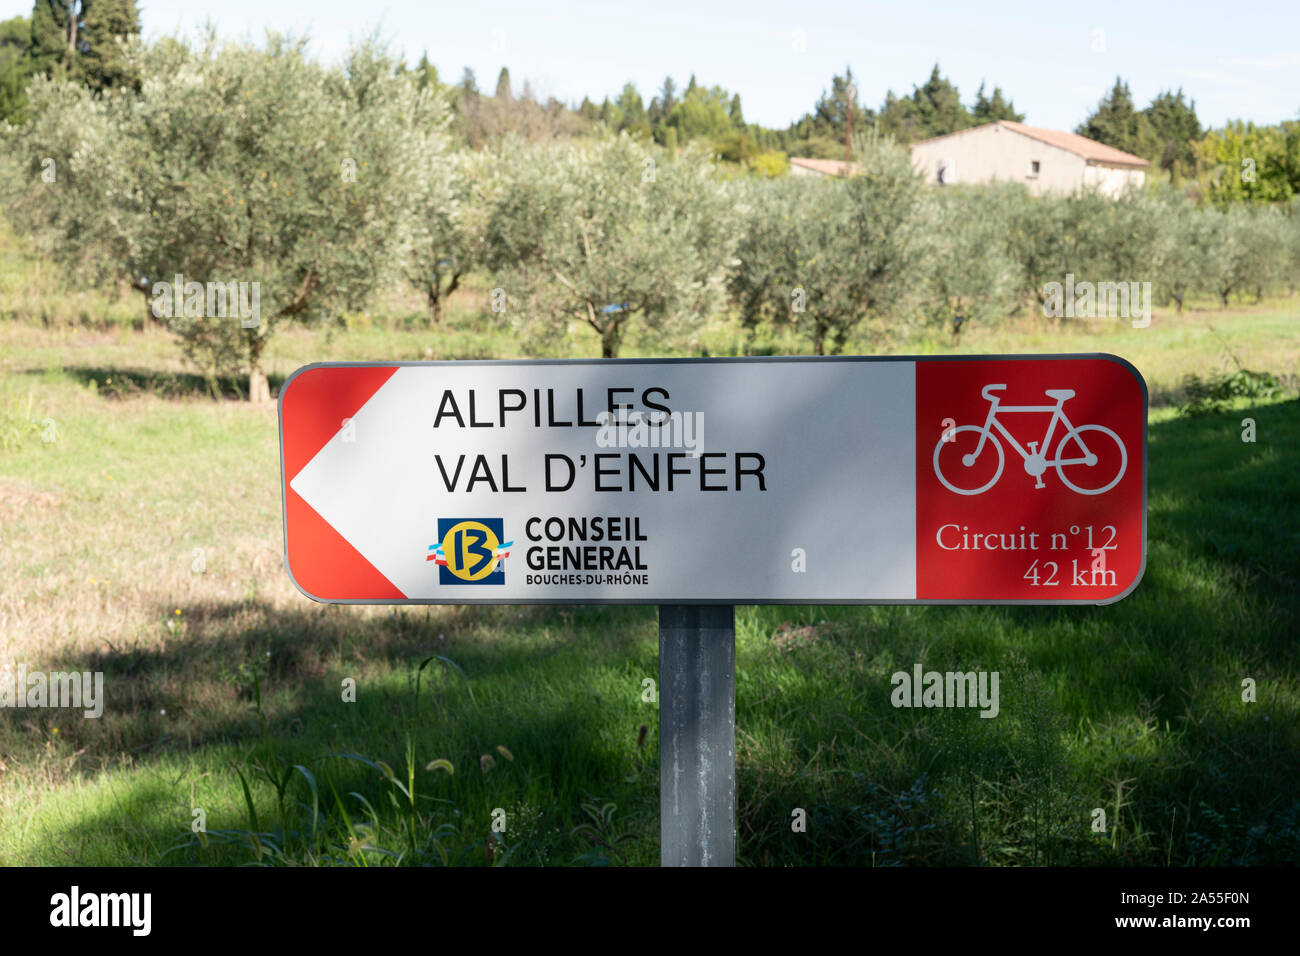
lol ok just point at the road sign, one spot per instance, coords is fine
(969, 480)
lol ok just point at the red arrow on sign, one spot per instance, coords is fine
(321, 560)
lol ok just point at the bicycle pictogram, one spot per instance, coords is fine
(1089, 466)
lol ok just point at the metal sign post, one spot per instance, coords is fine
(697, 735)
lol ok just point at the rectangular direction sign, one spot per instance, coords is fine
(969, 480)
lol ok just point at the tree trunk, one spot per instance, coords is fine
(1179, 300)
(435, 304)
(611, 337)
(149, 317)
(259, 388)
(437, 296)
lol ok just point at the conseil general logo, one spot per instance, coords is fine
(470, 551)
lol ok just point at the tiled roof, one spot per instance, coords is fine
(1074, 143)
(1089, 149)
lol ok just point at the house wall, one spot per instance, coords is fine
(1113, 180)
(995, 153)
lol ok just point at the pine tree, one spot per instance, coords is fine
(81, 40)
(427, 74)
(105, 26)
(938, 107)
(1175, 131)
(991, 109)
(503, 86)
(898, 118)
(55, 24)
(469, 83)
(630, 106)
(838, 106)
(15, 68)
(933, 109)
(1116, 122)
(610, 115)
(469, 108)
(668, 95)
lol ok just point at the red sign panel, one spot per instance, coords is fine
(1030, 480)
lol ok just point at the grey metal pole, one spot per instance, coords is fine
(697, 735)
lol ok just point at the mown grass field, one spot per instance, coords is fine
(140, 535)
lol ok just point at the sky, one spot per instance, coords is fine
(1055, 60)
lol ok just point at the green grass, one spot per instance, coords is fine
(140, 535)
(1134, 708)
(564, 747)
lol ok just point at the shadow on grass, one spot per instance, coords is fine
(126, 382)
(1145, 695)
(1134, 708)
(187, 704)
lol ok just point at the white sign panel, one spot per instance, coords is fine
(657, 482)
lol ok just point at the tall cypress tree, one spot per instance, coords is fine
(504, 93)
(55, 25)
(107, 24)
(81, 39)
(15, 68)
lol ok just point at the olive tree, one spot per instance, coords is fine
(1248, 251)
(1291, 257)
(967, 273)
(825, 254)
(59, 180)
(234, 170)
(448, 236)
(1128, 239)
(1053, 236)
(1088, 234)
(1268, 241)
(609, 234)
(1184, 242)
(1035, 239)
